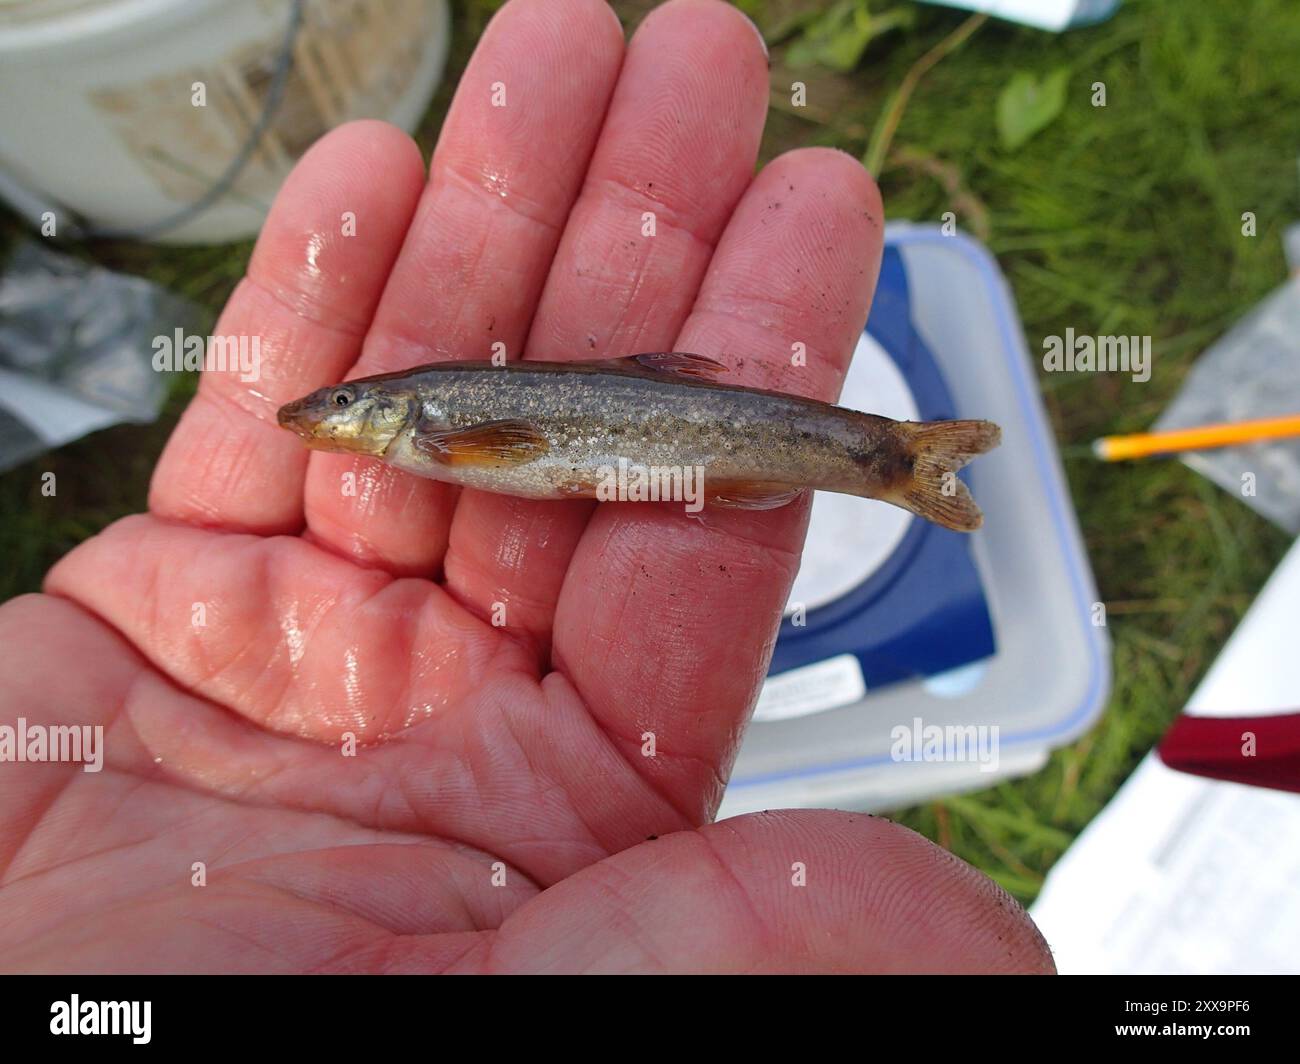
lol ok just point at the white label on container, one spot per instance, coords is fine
(812, 688)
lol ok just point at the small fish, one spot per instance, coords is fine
(560, 430)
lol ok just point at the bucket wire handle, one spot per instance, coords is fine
(223, 184)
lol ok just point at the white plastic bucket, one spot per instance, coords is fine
(100, 100)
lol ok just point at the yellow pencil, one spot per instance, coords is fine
(1200, 438)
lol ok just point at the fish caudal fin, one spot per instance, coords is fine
(939, 449)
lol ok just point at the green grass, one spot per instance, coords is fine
(1117, 220)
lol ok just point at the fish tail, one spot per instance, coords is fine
(937, 450)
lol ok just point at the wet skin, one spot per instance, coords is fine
(276, 602)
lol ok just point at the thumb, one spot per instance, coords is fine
(788, 891)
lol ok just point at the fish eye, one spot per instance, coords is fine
(341, 397)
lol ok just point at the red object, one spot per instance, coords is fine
(1258, 751)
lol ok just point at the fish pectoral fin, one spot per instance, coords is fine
(493, 443)
(680, 364)
(751, 495)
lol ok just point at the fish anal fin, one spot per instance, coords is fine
(578, 488)
(492, 443)
(750, 494)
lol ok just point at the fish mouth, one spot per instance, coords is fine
(319, 435)
(290, 416)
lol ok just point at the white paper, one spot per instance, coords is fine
(1181, 874)
(1044, 14)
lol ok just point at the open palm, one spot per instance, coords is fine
(545, 697)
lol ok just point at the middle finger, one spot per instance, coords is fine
(675, 155)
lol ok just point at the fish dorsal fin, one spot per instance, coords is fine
(492, 443)
(679, 364)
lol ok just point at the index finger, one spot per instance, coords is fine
(312, 285)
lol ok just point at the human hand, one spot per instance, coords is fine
(499, 813)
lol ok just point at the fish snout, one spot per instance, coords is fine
(290, 417)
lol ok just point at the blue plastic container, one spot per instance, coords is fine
(996, 630)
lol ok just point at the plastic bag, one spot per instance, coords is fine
(1252, 371)
(76, 344)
